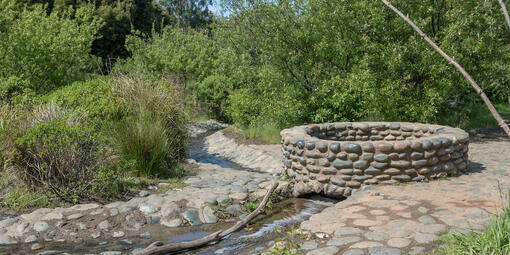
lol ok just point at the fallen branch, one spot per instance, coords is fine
(505, 12)
(477, 88)
(159, 248)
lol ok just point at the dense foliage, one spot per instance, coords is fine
(127, 17)
(288, 62)
(67, 132)
(39, 51)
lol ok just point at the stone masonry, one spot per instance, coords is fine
(336, 159)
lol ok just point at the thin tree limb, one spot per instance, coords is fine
(505, 12)
(158, 247)
(475, 86)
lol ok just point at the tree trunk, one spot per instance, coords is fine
(475, 86)
(505, 12)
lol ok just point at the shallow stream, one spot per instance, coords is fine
(284, 216)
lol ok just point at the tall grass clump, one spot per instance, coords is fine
(151, 139)
(494, 239)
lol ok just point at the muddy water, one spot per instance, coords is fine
(284, 216)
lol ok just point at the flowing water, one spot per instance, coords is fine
(284, 216)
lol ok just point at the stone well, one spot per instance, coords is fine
(338, 158)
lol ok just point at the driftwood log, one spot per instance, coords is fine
(160, 248)
(468, 77)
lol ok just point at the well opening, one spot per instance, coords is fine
(336, 159)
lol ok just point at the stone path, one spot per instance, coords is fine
(263, 158)
(214, 192)
(407, 219)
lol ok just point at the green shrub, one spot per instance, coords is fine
(338, 61)
(53, 151)
(11, 87)
(201, 65)
(93, 101)
(45, 50)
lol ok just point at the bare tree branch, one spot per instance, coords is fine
(159, 248)
(475, 86)
(505, 12)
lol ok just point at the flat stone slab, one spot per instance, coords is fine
(405, 219)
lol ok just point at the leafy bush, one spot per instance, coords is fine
(51, 149)
(199, 63)
(92, 100)
(45, 50)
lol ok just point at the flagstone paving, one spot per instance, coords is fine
(408, 219)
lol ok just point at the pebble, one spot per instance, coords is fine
(97, 212)
(30, 239)
(103, 225)
(234, 209)
(425, 219)
(154, 219)
(424, 238)
(22, 226)
(377, 236)
(208, 214)
(8, 222)
(309, 245)
(53, 216)
(114, 212)
(127, 208)
(347, 231)
(4, 239)
(143, 193)
(84, 207)
(324, 251)
(171, 223)
(399, 242)
(384, 251)
(238, 196)
(117, 234)
(366, 244)
(36, 246)
(149, 209)
(110, 253)
(354, 252)
(127, 241)
(50, 252)
(416, 250)
(423, 210)
(343, 240)
(146, 235)
(366, 223)
(137, 250)
(191, 215)
(74, 216)
(41, 226)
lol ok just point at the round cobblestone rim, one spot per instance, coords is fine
(336, 159)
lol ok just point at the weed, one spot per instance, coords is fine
(494, 239)
(250, 206)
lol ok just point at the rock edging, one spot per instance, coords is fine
(338, 158)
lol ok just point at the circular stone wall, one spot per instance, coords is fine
(337, 158)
